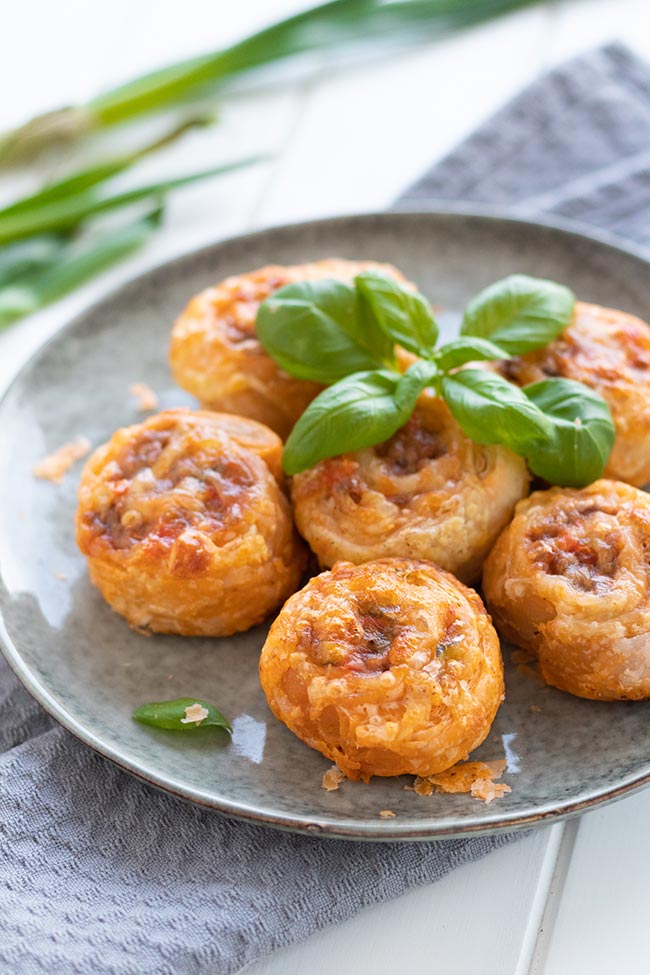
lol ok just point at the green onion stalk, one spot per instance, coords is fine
(335, 24)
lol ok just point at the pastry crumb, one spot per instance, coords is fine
(194, 714)
(387, 814)
(57, 464)
(535, 707)
(486, 790)
(423, 787)
(476, 778)
(147, 399)
(60, 575)
(332, 779)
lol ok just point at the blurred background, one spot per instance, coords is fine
(342, 129)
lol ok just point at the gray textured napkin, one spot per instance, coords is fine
(98, 872)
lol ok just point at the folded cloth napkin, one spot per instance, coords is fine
(101, 873)
(575, 144)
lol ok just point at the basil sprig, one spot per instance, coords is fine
(182, 714)
(345, 336)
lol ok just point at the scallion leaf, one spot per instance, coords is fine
(336, 24)
(68, 212)
(78, 182)
(71, 266)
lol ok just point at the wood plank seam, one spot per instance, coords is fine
(553, 900)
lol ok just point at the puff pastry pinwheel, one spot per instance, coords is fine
(216, 356)
(181, 522)
(386, 668)
(427, 493)
(609, 351)
(569, 581)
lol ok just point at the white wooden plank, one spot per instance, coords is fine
(602, 917)
(58, 53)
(369, 132)
(474, 920)
(578, 26)
(542, 926)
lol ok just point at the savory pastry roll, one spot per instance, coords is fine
(386, 668)
(427, 493)
(215, 354)
(568, 581)
(185, 528)
(610, 352)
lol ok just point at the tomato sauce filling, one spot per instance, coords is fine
(574, 546)
(413, 446)
(193, 488)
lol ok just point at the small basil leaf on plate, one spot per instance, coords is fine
(471, 348)
(313, 330)
(519, 313)
(491, 410)
(583, 432)
(357, 412)
(182, 714)
(405, 316)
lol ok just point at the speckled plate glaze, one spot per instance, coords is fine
(89, 670)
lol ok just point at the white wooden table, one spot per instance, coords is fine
(571, 898)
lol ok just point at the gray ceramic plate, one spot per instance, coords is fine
(89, 670)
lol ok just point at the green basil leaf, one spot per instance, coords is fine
(405, 316)
(313, 330)
(357, 412)
(519, 313)
(491, 410)
(468, 349)
(409, 386)
(583, 432)
(183, 714)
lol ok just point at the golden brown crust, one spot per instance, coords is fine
(610, 352)
(180, 523)
(251, 435)
(569, 581)
(215, 354)
(386, 668)
(428, 493)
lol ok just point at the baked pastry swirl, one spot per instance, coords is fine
(609, 351)
(386, 668)
(427, 493)
(181, 520)
(216, 356)
(569, 581)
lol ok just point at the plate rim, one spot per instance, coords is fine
(368, 830)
